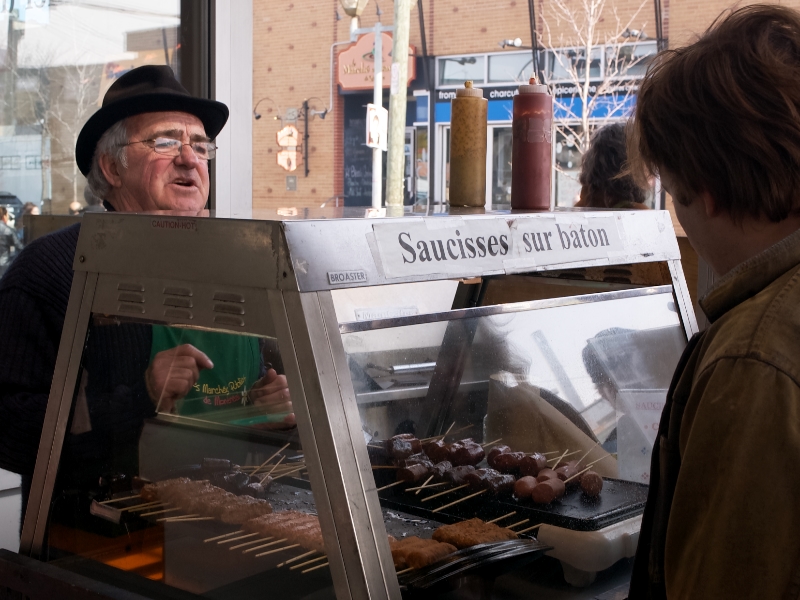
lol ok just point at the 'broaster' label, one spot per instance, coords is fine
(340, 277)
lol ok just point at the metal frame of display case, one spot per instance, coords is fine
(221, 274)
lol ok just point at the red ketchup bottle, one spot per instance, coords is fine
(532, 149)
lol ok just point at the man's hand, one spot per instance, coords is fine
(172, 373)
(272, 392)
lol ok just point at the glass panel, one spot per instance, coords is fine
(182, 468)
(512, 68)
(421, 165)
(570, 64)
(61, 58)
(481, 393)
(630, 60)
(501, 165)
(456, 70)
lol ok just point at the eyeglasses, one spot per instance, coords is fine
(173, 147)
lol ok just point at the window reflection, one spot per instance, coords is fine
(456, 70)
(60, 59)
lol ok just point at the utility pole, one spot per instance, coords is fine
(395, 176)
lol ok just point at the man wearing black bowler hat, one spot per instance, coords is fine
(147, 148)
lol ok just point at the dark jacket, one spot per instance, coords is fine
(33, 301)
(722, 519)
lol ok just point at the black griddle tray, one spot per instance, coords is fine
(618, 501)
(501, 556)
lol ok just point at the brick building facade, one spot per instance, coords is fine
(292, 62)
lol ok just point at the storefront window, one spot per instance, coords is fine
(516, 67)
(501, 165)
(569, 64)
(421, 165)
(629, 60)
(59, 58)
(455, 70)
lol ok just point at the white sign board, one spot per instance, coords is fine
(377, 127)
(464, 247)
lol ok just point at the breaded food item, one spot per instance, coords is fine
(471, 532)
(424, 555)
(207, 500)
(416, 552)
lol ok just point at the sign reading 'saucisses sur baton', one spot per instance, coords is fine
(465, 247)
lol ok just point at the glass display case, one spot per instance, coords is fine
(341, 406)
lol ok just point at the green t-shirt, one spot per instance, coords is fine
(237, 366)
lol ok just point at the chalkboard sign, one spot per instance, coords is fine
(357, 164)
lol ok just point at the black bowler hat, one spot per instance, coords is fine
(151, 88)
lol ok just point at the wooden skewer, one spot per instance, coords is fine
(564, 456)
(427, 481)
(270, 458)
(176, 518)
(530, 528)
(315, 568)
(580, 460)
(291, 560)
(241, 537)
(444, 492)
(384, 467)
(589, 466)
(142, 506)
(461, 500)
(120, 499)
(243, 544)
(560, 458)
(264, 546)
(289, 472)
(386, 487)
(181, 520)
(374, 446)
(223, 536)
(277, 550)
(264, 478)
(433, 485)
(444, 435)
(598, 460)
(159, 512)
(512, 513)
(308, 562)
(492, 443)
(517, 523)
(405, 571)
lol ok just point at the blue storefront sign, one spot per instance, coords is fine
(568, 104)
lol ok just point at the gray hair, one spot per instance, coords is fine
(112, 143)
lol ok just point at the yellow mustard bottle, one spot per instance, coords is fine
(468, 147)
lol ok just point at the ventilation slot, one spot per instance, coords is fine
(229, 306)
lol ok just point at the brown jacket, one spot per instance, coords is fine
(723, 516)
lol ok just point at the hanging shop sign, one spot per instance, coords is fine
(288, 139)
(356, 70)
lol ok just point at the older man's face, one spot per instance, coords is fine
(154, 181)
